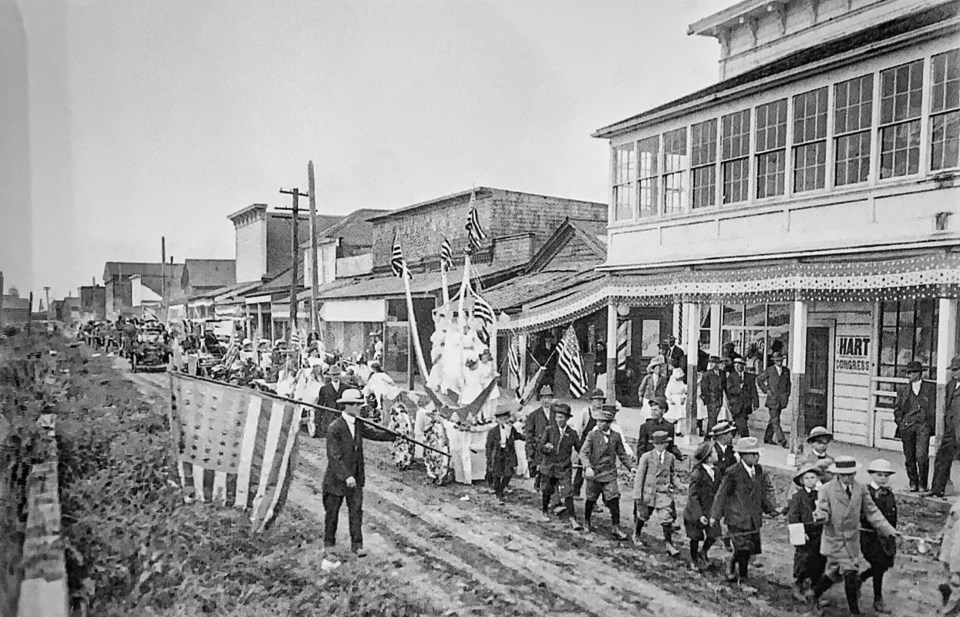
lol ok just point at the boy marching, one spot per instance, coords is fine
(704, 482)
(745, 494)
(879, 551)
(653, 489)
(558, 449)
(841, 503)
(808, 563)
(601, 449)
(502, 453)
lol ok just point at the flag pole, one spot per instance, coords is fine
(412, 320)
(445, 287)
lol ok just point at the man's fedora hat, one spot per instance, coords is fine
(724, 426)
(597, 393)
(351, 397)
(844, 465)
(747, 445)
(955, 364)
(335, 371)
(546, 390)
(913, 367)
(798, 478)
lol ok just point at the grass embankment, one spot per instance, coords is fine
(134, 548)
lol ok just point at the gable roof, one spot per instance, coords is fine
(355, 228)
(808, 56)
(583, 232)
(198, 273)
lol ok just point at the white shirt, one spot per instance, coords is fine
(779, 369)
(662, 454)
(504, 433)
(710, 470)
(916, 387)
(750, 470)
(351, 423)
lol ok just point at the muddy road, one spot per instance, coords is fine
(462, 551)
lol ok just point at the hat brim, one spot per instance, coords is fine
(820, 436)
(729, 429)
(799, 475)
(844, 471)
(890, 472)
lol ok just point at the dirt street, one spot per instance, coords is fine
(465, 553)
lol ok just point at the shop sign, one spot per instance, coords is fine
(853, 354)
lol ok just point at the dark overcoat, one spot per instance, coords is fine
(879, 550)
(559, 461)
(700, 495)
(502, 462)
(345, 454)
(742, 501)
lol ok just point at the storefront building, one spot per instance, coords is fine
(807, 203)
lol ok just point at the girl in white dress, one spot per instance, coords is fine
(487, 373)
(676, 393)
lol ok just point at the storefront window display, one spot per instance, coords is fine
(908, 332)
(757, 330)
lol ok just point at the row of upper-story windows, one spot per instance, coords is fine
(806, 142)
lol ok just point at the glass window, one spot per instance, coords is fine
(771, 148)
(945, 109)
(809, 138)
(757, 330)
(624, 182)
(908, 332)
(703, 157)
(735, 151)
(649, 157)
(853, 111)
(901, 91)
(674, 165)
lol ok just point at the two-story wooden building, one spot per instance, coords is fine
(808, 201)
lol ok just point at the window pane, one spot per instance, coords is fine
(732, 315)
(900, 149)
(853, 104)
(674, 193)
(675, 151)
(756, 314)
(703, 143)
(945, 141)
(772, 126)
(770, 174)
(736, 177)
(810, 116)
(901, 89)
(778, 315)
(809, 166)
(755, 349)
(649, 149)
(889, 311)
(648, 197)
(888, 346)
(853, 158)
(704, 186)
(735, 135)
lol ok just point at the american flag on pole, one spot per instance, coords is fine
(474, 230)
(234, 446)
(482, 309)
(396, 260)
(513, 357)
(446, 256)
(571, 363)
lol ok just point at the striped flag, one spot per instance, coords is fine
(396, 260)
(482, 309)
(571, 363)
(624, 343)
(446, 256)
(513, 357)
(474, 230)
(234, 446)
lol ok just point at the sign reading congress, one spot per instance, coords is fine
(853, 354)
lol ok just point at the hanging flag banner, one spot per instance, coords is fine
(234, 446)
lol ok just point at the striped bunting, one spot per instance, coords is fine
(624, 343)
(571, 363)
(446, 256)
(396, 260)
(235, 447)
(474, 229)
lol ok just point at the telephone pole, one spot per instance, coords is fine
(2, 288)
(163, 277)
(314, 256)
(295, 247)
(46, 294)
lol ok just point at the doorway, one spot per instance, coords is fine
(816, 393)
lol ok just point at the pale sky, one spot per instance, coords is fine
(153, 118)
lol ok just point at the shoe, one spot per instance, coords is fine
(590, 527)
(800, 595)
(545, 517)
(731, 577)
(575, 524)
(672, 550)
(934, 494)
(558, 510)
(635, 539)
(945, 592)
(359, 551)
(618, 534)
(914, 488)
(880, 607)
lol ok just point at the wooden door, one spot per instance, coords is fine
(817, 378)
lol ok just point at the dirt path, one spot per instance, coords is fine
(457, 547)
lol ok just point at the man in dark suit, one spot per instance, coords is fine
(915, 415)
(333, 391)
(947, 451)
(534, 426)
(742, 395)
(775, 383)
(711, 391)
(675, 354)
(655, 423)
(344, 477)
(558, 447)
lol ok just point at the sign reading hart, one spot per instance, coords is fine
(853, 354)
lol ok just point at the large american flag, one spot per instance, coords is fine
(474, 229)
(482, 309)
(571, 363)
(396, 260)
(234, 446)
(446, 256)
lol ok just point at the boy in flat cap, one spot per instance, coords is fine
(558, 449)
(808, 563)
(601, 449)
(745, 494)
(654, 486)
(501, 453)
(841, 504)
(654, 423)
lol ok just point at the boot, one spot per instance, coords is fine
(575, 524)
(672, 550)
(618, 533)
(798, 593)
(851, 587)
(880, 607)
